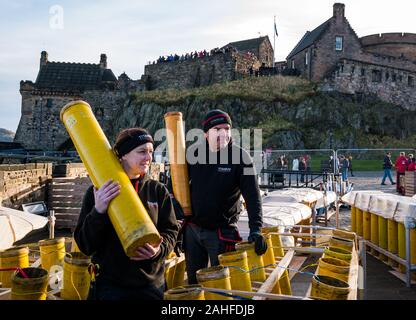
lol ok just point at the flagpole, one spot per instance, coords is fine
(274, 41)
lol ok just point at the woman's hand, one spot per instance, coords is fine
(147, 251)
(105, 194)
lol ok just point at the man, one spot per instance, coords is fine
(387, 165)
(401, 166)
(216, 185)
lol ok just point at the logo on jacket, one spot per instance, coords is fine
(153, 205)
(224, 169)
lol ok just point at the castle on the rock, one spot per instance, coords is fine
(332, 54)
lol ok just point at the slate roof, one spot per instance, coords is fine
(309, 38)
(245, 45)
(72, 76)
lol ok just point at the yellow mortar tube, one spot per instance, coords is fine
(254, 261)
(217, 277)
(268, 257)
(374, 232)
(237, 263)
(283, 285)
(17, 257)
(76, 277)
(177, 160)
(359, 221)
(353, 219)
(392, 238)
(401, 244)
(382, 236)
(367, 225)
(127, 213)
(32, 288)
(187, 292)
(52, 252)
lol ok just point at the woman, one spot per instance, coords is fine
(121, 277)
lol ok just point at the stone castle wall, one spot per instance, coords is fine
(23, 183)
(199, 71)
(391, 44)
(393, 85)
(40, 126)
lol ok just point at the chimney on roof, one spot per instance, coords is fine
(43, 58)
(103, 61)
(339, 10)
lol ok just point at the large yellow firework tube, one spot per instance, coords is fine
(127, 213)
(178, 168)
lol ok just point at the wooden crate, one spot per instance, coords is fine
(65, 197)
(410, 183)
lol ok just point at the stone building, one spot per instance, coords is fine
(231, 62)
(383, 64)
(58, 83)
(260, 47)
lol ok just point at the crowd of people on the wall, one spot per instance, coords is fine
(192, 55)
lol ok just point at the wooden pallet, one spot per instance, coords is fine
(65, 198)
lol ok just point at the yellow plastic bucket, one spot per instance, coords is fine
(17, 257)
(367, 225)
(382, 236)
(214, 277)
(127, 213)
(353, 219)
(392, 238)
(52, 252)
(235, 261)
(333, 267)
(329, 288)
(337, 253)
(188, 292)
(359, 221)
(341, 243)
(178, 167)
(76, 278)
(254, 261)
(32, 288)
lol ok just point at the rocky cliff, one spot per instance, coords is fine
(292, 113)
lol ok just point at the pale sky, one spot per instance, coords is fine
(132, 33)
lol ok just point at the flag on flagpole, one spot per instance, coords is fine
(275, 29)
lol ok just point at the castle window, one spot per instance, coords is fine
(387, 76)
(393, 77)
(376, 76)
(339, 43)
(293, 64)
(400, 78)
(49, 103)
(362, 72)
(306, 58)
(352, 69)
(410, 81)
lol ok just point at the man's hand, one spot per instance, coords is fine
(147, 251)
(105, 194)
(260, 244)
